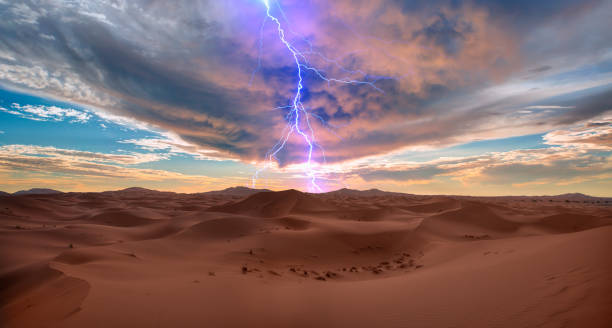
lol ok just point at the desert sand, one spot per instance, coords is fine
(240, 257)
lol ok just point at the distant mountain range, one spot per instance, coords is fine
(573, 197)
(344, 192)
(37, 191)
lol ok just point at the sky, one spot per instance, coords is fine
(427, 97)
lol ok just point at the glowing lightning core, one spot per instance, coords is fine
(297, 111)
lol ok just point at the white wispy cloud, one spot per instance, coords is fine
(86, 170)
(124, 121)
(174, 144)
(549, 107)
(62, 83)
(98, 16)
(6, 56)
(48, 113)
(33, 77)
(24, 14)
(78, 155)
(595, 134)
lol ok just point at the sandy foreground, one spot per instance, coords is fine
(140, 258)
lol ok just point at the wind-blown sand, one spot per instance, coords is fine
(140, 258)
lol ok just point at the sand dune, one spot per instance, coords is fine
(240, 257)
(274, 204)
(472, 218)
(39, 296)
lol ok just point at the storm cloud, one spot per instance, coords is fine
(445, 72)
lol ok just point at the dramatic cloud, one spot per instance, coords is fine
(445, 72)
(580, 154)
(595, 135)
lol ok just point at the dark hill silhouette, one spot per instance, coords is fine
(37, 191)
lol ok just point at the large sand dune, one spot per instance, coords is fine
(239, 257)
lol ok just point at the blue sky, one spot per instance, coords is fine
(95, 135)
(462, 97)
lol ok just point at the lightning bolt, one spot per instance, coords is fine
(298, 115)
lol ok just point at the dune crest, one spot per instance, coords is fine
(275, 204)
